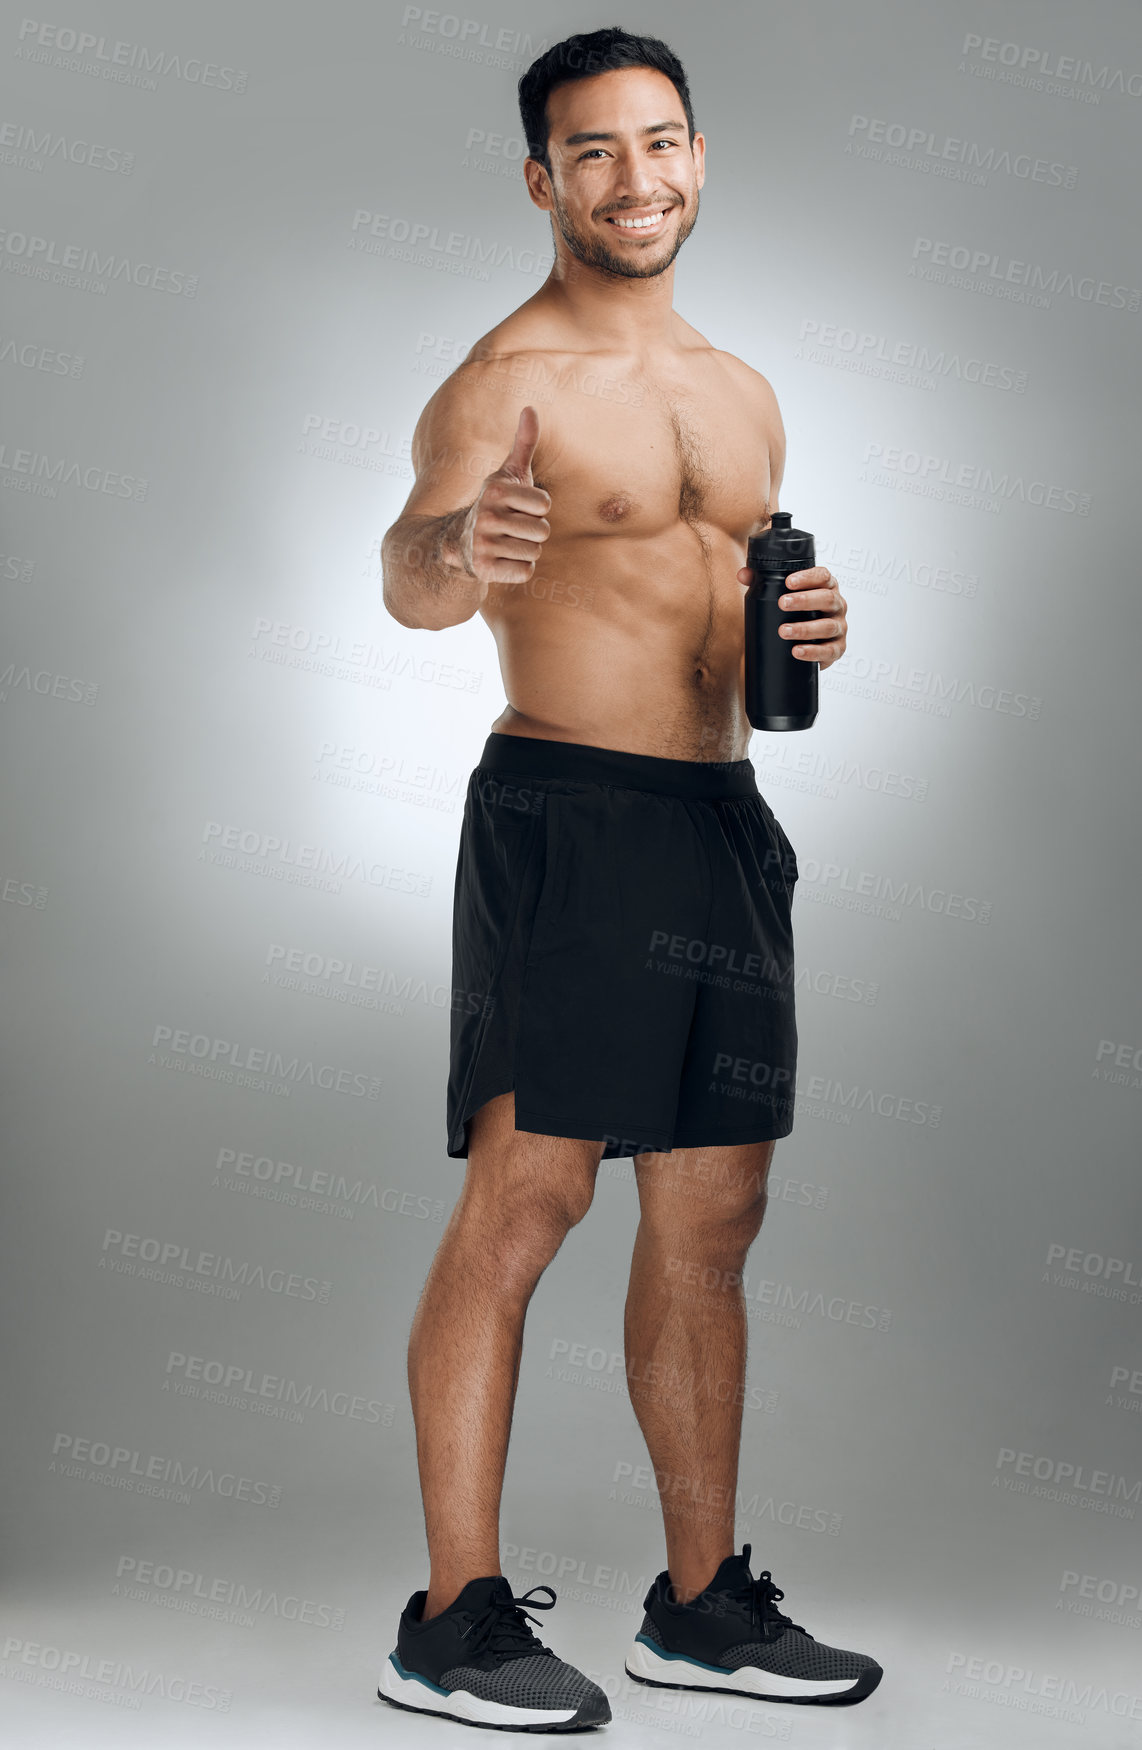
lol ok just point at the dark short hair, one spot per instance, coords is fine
(583, 57)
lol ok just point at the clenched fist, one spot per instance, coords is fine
(502, 535)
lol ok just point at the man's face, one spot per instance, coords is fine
(620, 152)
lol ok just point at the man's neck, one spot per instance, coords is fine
(626, 314)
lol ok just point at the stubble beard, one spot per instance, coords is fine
(593, 252)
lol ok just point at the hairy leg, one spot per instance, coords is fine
(685, 1331)
(522, 1194)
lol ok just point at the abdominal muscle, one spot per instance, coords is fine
(628, 643)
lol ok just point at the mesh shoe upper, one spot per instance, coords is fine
(538, 1681)
(795, 1654)
(764, 1637)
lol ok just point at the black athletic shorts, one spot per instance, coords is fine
(622, 949)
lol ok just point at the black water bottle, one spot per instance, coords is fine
(780, 688)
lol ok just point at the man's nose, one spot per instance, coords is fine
(635, 178)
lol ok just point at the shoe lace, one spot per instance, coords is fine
(502, 1627)
(760, 1596)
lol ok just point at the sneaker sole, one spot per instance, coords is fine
(661, 1670)
(420, 1696)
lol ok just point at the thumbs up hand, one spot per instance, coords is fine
(502, 536)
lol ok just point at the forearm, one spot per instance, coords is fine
(426, 582)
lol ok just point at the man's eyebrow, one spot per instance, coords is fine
(654, 128)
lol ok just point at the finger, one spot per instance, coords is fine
(518, 463)
(512, 522)
(504, 493)
(822, 653)
(509, 571)
(745, 575)
(806, 579)
(810, 598)
(507, 547)
(803, 629)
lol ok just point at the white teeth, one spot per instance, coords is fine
(641, 224)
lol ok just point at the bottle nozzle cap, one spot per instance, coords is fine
(782, 519)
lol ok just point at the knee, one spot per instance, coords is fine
(521, 1226)
(717, 1229)
(731, 1225)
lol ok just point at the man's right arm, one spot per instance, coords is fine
(467, 523)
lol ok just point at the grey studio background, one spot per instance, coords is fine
(231, 809)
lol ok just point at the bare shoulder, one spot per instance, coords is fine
(467, 426)
(750, 382)
(745, 379)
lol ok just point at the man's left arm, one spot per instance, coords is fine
(822, 639)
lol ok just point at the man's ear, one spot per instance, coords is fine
(538, 185)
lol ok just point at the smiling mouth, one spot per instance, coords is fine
(640, 224)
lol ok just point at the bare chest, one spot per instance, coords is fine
(633, 457)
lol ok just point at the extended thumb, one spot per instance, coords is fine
(522, 450)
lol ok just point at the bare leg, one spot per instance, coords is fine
(521, 1196)
(686, 1340)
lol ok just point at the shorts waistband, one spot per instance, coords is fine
(534, 757)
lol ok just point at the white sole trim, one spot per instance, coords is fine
(411, 1692)
(642, 1661)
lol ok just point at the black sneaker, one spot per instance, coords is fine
(479, 1663)
(730, 1638)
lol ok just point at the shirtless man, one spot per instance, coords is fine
(587, 481)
